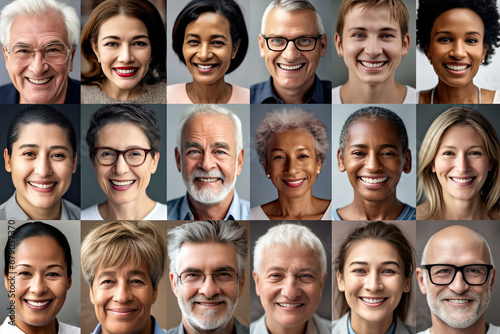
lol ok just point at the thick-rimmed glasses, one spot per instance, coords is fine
(301, 43)
(444, 274)
(133, 156)
(53, 53)
(195, 279)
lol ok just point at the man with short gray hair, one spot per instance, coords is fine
(207, 274)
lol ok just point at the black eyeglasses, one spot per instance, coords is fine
(195, 279)
(301, 43)
(444, 274)
(133, 157)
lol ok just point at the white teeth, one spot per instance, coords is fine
(38, 304)
(295, 182)
(39, 82)
(42, 186)
(371, 180)
(125, 71)
(372, 65)
(208, 304)
(205, 67)
(462, 180)
(290, 68)
(458, 301)
(208, 180)
(373, 300)
(289, 305)
(456, 67)
(122, 183)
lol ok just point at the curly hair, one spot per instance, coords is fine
(286, 119)
(429, 10)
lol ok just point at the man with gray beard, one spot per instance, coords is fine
(207, 274)
(457, 275)
(210, 155)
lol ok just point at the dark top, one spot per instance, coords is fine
(9, 94)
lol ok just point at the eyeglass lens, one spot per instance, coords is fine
(133, 157)
(473, 274)
(55, 53)
(195, 279)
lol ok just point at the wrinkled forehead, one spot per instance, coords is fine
(291, 23)
(458, 249)
(43, 28)
(210, 127)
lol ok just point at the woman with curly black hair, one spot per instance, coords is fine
(457, 37)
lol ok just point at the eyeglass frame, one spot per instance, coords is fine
(205, 276)
(292, 40)
(68, 51)
(459, 269)
(146, 151)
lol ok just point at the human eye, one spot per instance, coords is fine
(388, 271)
(192, 152)
(111, 44)
(137, 281)
(220, 152)
(24, 274)
(388, 154)
(359, 271)
(471, 40)
(448, 153)
(54, 274)
(218, 43)
(58, 156)
(476, 153)
(387, 35)
(275, 277)
(307, 278)
(140, 44)
(303, 156)
(277, 41)
(305, 41)
(358, 153)
(358, 35)
(29, 154)
(192, 42)
(444, 39)
(278, 157)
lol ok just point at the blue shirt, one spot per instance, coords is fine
(10, 95)
(157, 329)
(320, 92)
(178, 209)
(409, 213)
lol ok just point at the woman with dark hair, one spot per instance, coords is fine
(41, 157)
(375, 260)
(458, 36)
(124, 147)
(210, 37)
(38, 256)
(124, 44)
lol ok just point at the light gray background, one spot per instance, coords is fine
(70, 312)
(259, 70)
(490, 231)
(175, 185)
(75, 74)
(405, 73)
(323, 232)
(342, 189)
(262, 189)
(177, 71)
(91, 191)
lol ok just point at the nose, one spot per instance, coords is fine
(373, 282)
(291, 289)
(123, 293)
(457, 51)
(43, 166)
(38, 65)
(291, 52)
(38, 286)
(207, 162)
(204, 52)
(373, 47)
(291, 166)
(209, 288)
(462, 163)
(126, 55)
(373, 162)
(459, 285)
(120, 167)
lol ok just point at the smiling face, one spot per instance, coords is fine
(461, 163)
(456, 46)
(373, 282)
(289, 284)
(292, 70)
(41, 165)
(208, 307)
(122, 298)
(39, 81)
(208, 48)
(292, 163)
(41, 283)
(124, 50)
(373, 159)
(371, 44)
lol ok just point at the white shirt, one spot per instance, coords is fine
(8, 328)
(410, 97)
(159, 212)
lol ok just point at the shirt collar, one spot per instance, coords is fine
(232, 214)
(315, 93)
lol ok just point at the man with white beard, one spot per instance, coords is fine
(457, 276)
(210, 155)
(207, 274)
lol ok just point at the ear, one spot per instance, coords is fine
(407, 285)
(6, 281)
(484, 51)
(426, 51)
(420, 279)
(242, 285)
(154, 166)
(240, 159)
(493, 278)
(235, 49)
(95, 49)
(318, 166)
(255, 278)
(71, 57)
(340, 282)
(407, 166)
(155, 295)
(262, 47)
(91, 294)
(70, 282)
(178, 159)
(406, 45)
(433, 168)
(8, 168)
(75, 160)
(323, 42)
(6, 56)
(338, 44)
(173, 283)
(340, 161)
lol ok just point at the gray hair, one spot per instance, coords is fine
(210, 109)
(373, 112)
(38, 8)
(226, 232)
(290, 6)
(286, 119)
(290, 236)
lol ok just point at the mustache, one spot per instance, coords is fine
(203, 299)
(469, 295)
(215, 173)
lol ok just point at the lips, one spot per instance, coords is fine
(207, 180)
(457, 67)
(372, 64)
(373, 180)
(294, 183)
(121, 185)
(373, 302)
(37, 304)
(205, 68)
(291, 67)
(125, 71)
(39, 81)
(290, 305)
(121, 311)
(462, 180)
(42, 185)
(459, 301)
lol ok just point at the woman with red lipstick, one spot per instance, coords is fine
(124, 44)
(458, 36)
(38, 268)
(374, 266)
(291, 145)
(210, 37)
(458, 172)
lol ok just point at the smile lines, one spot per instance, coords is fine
(372, 180)
(290, 67)
(42, 185)
(372, 65)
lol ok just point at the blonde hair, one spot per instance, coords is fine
(429, 188)
(116, 243)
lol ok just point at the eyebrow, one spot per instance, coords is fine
(451, 33)
(29, 266)
(219, 144)
(54, 147)
(299, 149)
(116, 37)
(385, 263)
(365, 29)
(300, 270)
(221, 268)
(211, 36)
(454, 147)
(381, 146)
(130, 273)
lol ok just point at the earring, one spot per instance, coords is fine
(317, 172)
(99, 61)
(268, 176)
(340, 54)
(482, 61)
(430, 61)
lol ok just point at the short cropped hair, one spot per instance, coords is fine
(429, 10)
(39, 8)
(200, 232)
(286, 119)
(290, 6)
(228, 9)
(374, 112)
(117, 243)
(210, 109)
(397, 8)
(290, 236)
(429, 188)
(124, 113)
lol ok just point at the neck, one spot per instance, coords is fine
(227, 329)
(455, 209)
(362, 326)
(362, 209)
(123, 94)
(135, 210)
(453, 95)
(52, 213)
(294, 96)
(216, 211)
(440, 327)
(26, 328)
(218, 92)
(356, 91)
(303, 207)
(273, 328)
